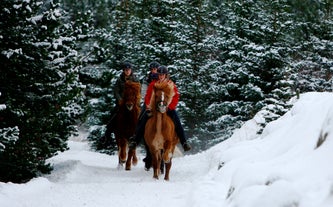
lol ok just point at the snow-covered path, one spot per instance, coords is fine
(82, 177)
(288, 165)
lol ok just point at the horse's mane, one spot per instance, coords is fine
(133, 88)
(167, 87)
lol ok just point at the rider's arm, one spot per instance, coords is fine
(175, 98)
(148, 94)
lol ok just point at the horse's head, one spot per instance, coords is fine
(131, 96)
(161, 101)
(163, 96)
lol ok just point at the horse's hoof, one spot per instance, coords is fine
(134, 162)
(120, 166)
(128, 168)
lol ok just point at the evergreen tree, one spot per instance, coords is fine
(312, 47)
(192, 43)
(40, 86)
(251, 65)
(134, 34)
(93, 29)
(8, 135)
(229, 59)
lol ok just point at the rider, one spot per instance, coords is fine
(152, 75)
(139, 132)
(126, 75)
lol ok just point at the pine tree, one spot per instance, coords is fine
(134, 34)
(40, 86)
(228, 58)
(93, 27)
(8, 135)
(251, 64)
(312, 46)
(194, 48)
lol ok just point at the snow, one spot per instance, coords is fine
(2, 106)
(289, 165)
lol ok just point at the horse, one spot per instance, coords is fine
(125, 122)
(160, 135)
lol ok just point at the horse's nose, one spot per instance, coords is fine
(162, 108)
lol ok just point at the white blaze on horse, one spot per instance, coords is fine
(160, 135)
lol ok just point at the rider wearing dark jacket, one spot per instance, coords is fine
(126, 75)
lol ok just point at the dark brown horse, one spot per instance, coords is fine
(160, 135)
(125, 122)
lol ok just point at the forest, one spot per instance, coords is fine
(229, 59)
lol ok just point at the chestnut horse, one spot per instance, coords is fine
(160, 135)
(125, 122)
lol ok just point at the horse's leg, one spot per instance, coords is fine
(131, 154)
(120, 165)
(162, 167)
(122, 154)
(156, 163)
(135, 158)
(168, 153)
(167, 170)
(120, 161)
(162, 163)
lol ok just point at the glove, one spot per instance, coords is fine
(149, 113)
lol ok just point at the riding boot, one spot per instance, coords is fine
(139, 131)
(147, 159)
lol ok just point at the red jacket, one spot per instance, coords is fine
(175, 98)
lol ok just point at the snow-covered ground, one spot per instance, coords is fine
(289, 165)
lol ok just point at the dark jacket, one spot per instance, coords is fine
(120, 84)
(151, 77)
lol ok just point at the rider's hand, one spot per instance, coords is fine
(149, 113)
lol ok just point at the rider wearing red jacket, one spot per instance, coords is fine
(175, 98)
(162, 76)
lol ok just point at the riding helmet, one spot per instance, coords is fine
(127, 65)
(162, 70)
(154, 64)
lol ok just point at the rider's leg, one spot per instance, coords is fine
(110, 124)
(139, 131)
(179, 129)
(147, 159)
